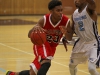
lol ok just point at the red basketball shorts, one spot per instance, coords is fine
(44, 51)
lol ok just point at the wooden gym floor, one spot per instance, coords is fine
(16, 48)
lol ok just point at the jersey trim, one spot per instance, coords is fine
(52, 23)
(44, 21)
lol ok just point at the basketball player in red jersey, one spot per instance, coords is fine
(44, 53)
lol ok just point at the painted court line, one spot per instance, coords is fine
(32, 55)
(2, 70)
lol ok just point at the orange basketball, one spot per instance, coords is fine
(38, 38)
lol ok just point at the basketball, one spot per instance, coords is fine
(38, 38)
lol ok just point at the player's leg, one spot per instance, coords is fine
(92, 61)
(42, 70)
(44, 67)
(31, 72)
(92, 68)
(35, 66)
(39, 68)
(76, 56)
(24, 72)
(46, 53)
(72, 69)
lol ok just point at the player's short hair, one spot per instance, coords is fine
(54, 3)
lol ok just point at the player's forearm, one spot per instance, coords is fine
(69, 35)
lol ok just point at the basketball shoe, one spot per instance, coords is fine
(10, 73)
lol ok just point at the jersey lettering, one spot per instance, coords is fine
(81, 26)
(54, 39)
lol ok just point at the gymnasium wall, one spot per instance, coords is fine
(30, 7)
(17, 7)
(69, 6)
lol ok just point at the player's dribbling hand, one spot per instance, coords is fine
(38, 28)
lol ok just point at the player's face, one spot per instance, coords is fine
(57, 12)
(79, 3)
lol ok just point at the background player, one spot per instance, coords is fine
(49, 23)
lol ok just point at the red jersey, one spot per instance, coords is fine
(47, 50)
(53, 31)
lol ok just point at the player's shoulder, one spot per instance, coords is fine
(47, 15)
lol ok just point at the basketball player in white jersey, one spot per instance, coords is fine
(84, 24)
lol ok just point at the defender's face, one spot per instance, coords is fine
(78, 3)
(57, 12)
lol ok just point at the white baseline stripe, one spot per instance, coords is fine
(32, 55)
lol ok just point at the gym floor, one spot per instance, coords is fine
(16, 48)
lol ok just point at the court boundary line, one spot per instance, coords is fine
(2, 70)
(32, 55)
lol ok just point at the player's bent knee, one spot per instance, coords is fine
(45, 61)
(44, 68)
(31, 72)
(25, 72)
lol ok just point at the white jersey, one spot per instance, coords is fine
(85, 27)
(86, 47)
